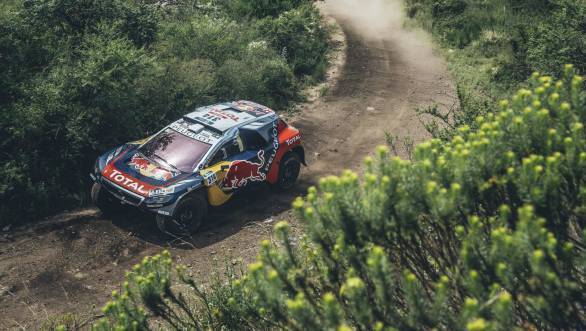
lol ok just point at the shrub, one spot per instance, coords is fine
(217, 39)
(560, 39)
(244, 9)
(261, 75)
(499, 43)
(79, 77)
(483, 232)
(301, 37)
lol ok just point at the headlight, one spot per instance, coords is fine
(114, 154)
(160, 199)
(162, 191)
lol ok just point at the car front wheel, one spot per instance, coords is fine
(188, 216)
(289, 169)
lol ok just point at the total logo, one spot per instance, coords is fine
(119, 178)
(293, 140)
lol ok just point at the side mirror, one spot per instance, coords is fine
(225, 167)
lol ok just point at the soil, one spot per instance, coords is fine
(72, 262)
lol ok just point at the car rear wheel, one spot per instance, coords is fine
(104, 200)
(188, 216)
(289, 169)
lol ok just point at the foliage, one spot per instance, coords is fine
(494, 45)
(261, 8)
(80, 77)
(482, 232)
(299, 35)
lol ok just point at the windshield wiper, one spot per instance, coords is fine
(166, 163)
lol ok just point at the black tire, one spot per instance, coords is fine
(188, 217)
(104, 200)
(289, 169)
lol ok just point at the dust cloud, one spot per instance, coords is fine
(372, 19)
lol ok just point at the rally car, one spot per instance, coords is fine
(199, 161)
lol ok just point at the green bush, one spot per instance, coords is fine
(302, 39)
(495, 45)
(260, 73)
(245, 9)
(482, 232)
(79, 77)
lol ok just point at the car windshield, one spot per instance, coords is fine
(175, 149)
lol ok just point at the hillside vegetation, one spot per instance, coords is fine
(79, 77)
(493, 46)
(482, 232)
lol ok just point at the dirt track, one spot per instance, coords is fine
(73, 261)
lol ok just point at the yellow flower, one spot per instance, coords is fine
(470, 302)
(411, 278)
(368, 161)
(382, 150)
(298, 203)
(540, 90)
(568, 68)
(478, 324)
(255, 266)
(431, 187)
(538, 169)
(505, 297)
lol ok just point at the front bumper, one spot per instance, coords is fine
(127, 197)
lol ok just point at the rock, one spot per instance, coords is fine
(80, 275)
(370, 108)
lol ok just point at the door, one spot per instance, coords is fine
(217, 170)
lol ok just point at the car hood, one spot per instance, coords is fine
(139, 174)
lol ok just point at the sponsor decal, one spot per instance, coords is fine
(241, 172)
(253, 109)
(210, 178)
(204, 136)
(119, 178)
(151, 170)
(293, 140)
(275, 147)
(214, 114)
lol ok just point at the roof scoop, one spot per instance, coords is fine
(196, 127)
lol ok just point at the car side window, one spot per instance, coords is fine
(253, 140)
(227, 151)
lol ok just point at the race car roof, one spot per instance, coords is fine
(224, 116)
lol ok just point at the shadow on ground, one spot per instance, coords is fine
(258, 203)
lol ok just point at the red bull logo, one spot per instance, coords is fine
(149, 169)
(241, 172)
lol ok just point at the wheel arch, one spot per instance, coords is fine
(300, 151)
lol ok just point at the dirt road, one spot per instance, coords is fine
(73, 261)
